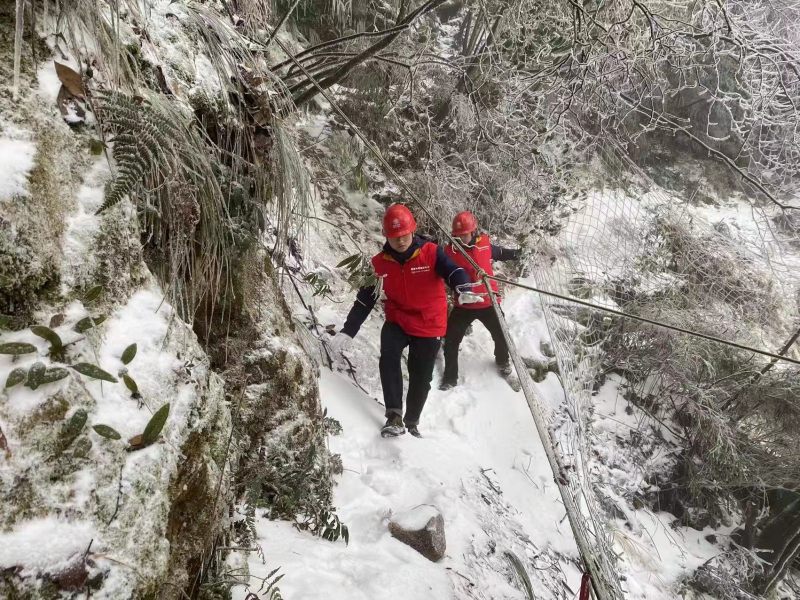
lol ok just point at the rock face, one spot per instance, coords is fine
(244, 423)
(422, 528)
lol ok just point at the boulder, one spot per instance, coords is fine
(546, 348)
(422, 528)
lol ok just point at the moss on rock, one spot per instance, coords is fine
(199, 500)
(33, 225)
(117, 252)
(23, 278)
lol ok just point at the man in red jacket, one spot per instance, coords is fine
(413, 272)
(483, 252)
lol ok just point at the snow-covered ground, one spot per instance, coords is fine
(478, 438)
(481, 463)
(16, 161)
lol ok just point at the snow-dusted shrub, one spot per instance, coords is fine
(735, 413)
(714, 396)
(373, 91)
(627, 69)
(290, 476)
(721, 576)
(166, 166)
(346, 155)
(714, 270)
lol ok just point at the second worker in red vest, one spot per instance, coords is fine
(413, 273)
(483, 252)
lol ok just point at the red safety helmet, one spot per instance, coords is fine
(398, 221)
(464, 223)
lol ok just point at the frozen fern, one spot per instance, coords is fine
(144, 144)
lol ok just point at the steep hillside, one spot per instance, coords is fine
(190, 192)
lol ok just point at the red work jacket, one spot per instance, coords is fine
(415, 294)
(481, 253)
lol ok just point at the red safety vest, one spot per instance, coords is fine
(481, 253)
(416, 299)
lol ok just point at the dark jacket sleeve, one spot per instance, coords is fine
(502, 254)
(452, 274)
(365, 302)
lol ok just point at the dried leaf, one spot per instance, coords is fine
(107, 432)
(16, 376)
(94, 371)
(129, 354)
(135, 443)
(87, 323)
(73, 578)
(16, 348)
(71, 79)
(57, 320)
(70, 108)
(156, 424)
(49, 335)
(63, 100)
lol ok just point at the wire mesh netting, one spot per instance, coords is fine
(727, 270)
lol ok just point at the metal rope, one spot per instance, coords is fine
(619, 313)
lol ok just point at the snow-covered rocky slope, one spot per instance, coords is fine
(480, 463)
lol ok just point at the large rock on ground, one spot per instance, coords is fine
(422, 528)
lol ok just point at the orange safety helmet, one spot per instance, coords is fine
(464, 223)
(398, 221)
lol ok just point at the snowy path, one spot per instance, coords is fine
(478, 436)
(481, 463)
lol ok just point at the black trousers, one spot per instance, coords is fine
(421, 358)
(457, 323)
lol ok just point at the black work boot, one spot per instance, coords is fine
(412, 429)
(447, 385)
(394, 426)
